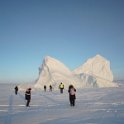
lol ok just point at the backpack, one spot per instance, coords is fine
(72, 91)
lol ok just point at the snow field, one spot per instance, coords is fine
(93, 106)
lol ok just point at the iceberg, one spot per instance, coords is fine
(95, 72)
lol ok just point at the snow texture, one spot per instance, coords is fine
(93, 106)
(94, 73)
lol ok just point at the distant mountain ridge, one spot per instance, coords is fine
(95, 72)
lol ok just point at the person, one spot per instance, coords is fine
(28, 96)
(72, 95)
(45, 88)
(50, 88)
(16, 90)
(61, 87)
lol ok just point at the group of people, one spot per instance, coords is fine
(27, 94)
(71, 91)
(61, 87)
(50, 88)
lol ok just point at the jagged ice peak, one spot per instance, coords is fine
(95, 72)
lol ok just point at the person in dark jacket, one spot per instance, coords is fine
(16, 90)
(50, 88)
(28, 96)
(45, 88)
(72, 95)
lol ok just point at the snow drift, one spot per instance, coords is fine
(94, 73)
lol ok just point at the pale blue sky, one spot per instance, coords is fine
(69, 30)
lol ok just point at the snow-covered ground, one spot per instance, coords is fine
(93, 106)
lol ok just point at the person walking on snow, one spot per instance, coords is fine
(72, 95)
(45, 88)
(50, 88)
(16, 90)
(61, 87)
(28, 96)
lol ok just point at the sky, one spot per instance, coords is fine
(69, 30)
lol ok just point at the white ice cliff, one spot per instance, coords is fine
(94, 73)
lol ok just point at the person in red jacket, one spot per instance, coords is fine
(72, 95)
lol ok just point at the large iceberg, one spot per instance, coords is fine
(95, 72)
(99, 68)
(53, 72)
